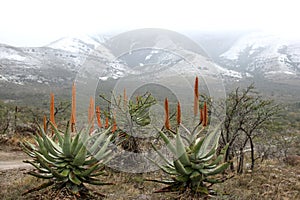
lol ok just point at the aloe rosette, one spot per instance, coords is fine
(69, 161)
(194, 164)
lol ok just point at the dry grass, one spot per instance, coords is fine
(13, 183)
(271, 180)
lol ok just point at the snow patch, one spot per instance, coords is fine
(10, 56)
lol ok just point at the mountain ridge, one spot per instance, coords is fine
(58, 63)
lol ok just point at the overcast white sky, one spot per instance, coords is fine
(39, 22)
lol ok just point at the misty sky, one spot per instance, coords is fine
(39, 22)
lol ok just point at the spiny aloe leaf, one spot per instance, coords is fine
(161, 155)
(220, 156)
(213, 181)
(166, 169)
(217, 170)
(210, 139)
(67, 142)
(181, 178)
(198, 144)
(181, 152)
(180, 168)
(82, 142)
(65, 172)
(74, 143)
(105, 156)
(42, 170)
(103, 148)
(196, 176)
(74, 179)
(90, 170)
(169, 144)
(44, 151)
(56, 132)
(90, 161)
(98, 141)
(167, 182)
(41, 175)
(80, 157)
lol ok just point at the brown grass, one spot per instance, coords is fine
(270, 180)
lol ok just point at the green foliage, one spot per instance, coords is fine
(4, 117)
(139, 110)
(196, 166)
(132, 117)
(69, 159)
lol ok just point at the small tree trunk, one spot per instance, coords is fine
(241, 162)
(228, 157)
(252, 153)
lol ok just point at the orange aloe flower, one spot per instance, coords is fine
(45, 123)
(91, 114)
(167, 120)
(178, 113)
(114, 128)
(201, 116)
(196, 97)
(98, 114)
(73, 108)
(52, 108)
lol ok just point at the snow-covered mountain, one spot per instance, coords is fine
(263, 54)
(147, 51)
(55, 63)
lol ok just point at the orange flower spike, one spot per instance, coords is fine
(52, 108)
(106, 123)
(73, 108)
(91, 114)
(45, 123)
(196, 97)
(98, 115)
(205, 118)
(178, 113)
(114, 128)
(201, 116)
(167, 120)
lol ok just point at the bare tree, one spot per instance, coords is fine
(246, 114)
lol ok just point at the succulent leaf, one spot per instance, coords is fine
(181, 152)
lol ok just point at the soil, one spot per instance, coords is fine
(12, 158)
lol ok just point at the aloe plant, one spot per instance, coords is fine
(71, 158)
(195, 165)
(69, 161)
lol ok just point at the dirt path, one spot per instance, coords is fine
(12, 160)
(15, 164)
